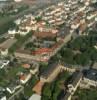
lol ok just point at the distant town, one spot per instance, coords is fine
(48, 49)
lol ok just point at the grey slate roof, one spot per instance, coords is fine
(49, 70)
(75, 78)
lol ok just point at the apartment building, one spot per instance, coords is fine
(74, 82)
(90, 78)
(72, 86)
(51, 73)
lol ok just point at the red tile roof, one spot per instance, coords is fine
(26, 65)
(22, 77)
(38, 87)
(42, 51)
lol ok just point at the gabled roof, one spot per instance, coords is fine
(75, 78)
(38, 87)
(50, 70)
(42, 50)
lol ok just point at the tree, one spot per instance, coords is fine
(20, 42)
(17, 36)
(47, 91)
(38, 18)
(75, 44)
(6, 24)
(92, 52)
(86, 94)
(30, 46)
(67, 55)
(82, 59)
(45, 98)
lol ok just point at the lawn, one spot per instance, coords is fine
(86, 94)
(28, 87)
(9, 74)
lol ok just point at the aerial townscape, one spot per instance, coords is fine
(48, 49)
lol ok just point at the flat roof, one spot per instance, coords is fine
(35, 97)
(91, 74)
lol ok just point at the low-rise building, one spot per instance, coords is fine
(21, 54)
(35, 97)
(3, 63)
(25, 78)
(2, 96)
(45, 34)
(34, 69)
(12, 88)
(90, 78)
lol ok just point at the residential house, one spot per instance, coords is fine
(2, 96)
(3, 63)
(24, 78)
(34, 69)
(12, 88)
